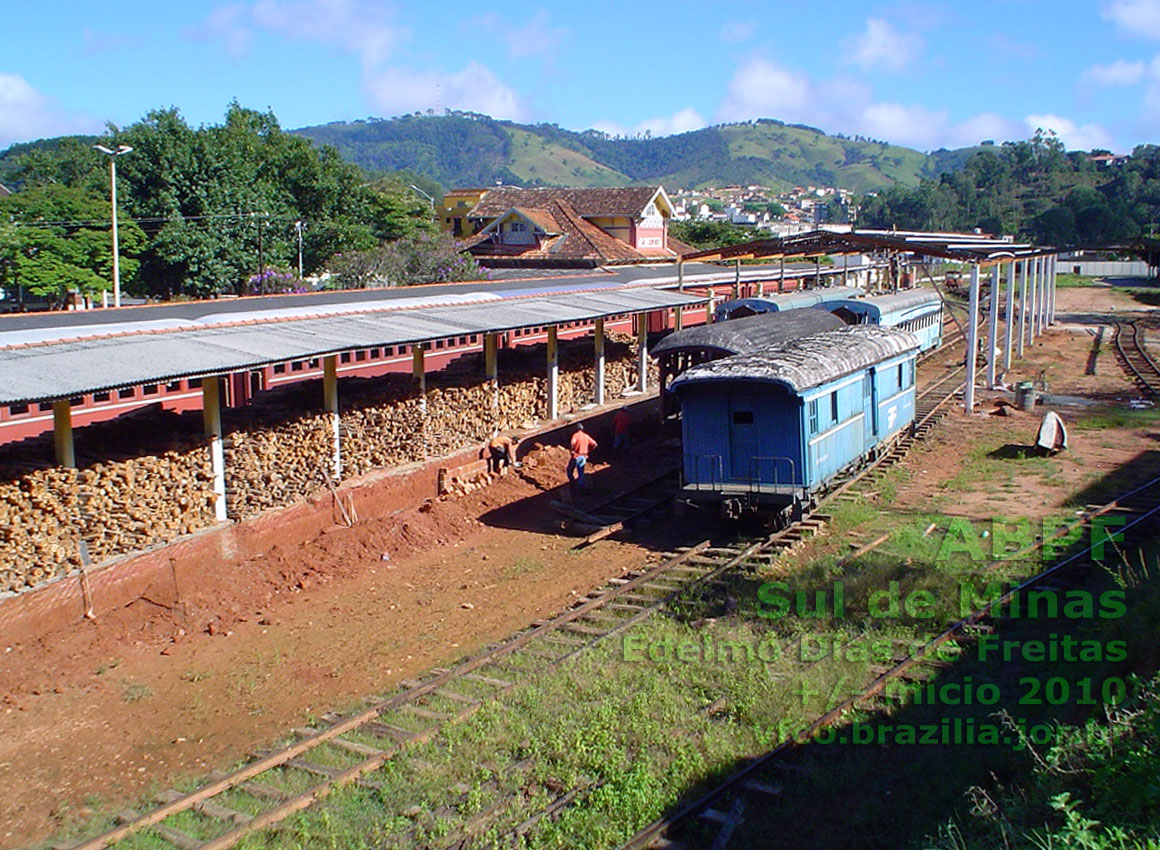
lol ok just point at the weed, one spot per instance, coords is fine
(135, 692)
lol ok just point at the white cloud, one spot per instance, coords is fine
(986, 126)
(735, 32)
(881, 46)
(1008, 48)
(228, 25)
(26, 114)
(760, 88)
(1074, 137)
(1119, 73)
(682, 121)
(536, 37)
(914, 126)
(362, 27)
(679, 122)
(1135, 17)
(476, 89)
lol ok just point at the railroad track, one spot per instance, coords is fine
(345, 748)
(1135, 359)
(752, 785)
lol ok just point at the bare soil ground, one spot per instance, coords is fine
(104, 713)
(940, 474)
(107, 712)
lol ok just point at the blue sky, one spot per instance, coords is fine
(923, 74)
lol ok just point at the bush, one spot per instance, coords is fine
(421, 258)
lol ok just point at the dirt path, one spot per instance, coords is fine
(111, 711)
(944, 474)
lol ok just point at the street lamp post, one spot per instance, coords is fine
(113, 154)
(425, 195)
(298, 225)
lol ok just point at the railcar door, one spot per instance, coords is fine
(742, 437)
(869, 410)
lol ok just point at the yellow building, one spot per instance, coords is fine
(456, 205)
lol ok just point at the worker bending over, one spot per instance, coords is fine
(501, 452)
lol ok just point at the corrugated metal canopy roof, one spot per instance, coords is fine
(965, 247)
(65, 369)
(789, 301)
(808, 362)
(753, 333)
(878, 304)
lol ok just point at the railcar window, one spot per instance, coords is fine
(900, 384)
(834, 406)
(813, 416)
(17, 409)
(742, 417)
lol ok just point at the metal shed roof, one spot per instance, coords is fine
(65, 369)
(808, 362)
(893, 303)
(753, 333)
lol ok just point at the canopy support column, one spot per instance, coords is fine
(330, 402)
(598, 351)
(1009, 317)
(1024, 267)
(642, 352)
(491, 367)
(553, 373)
(211, 416)
(62, 433)
(419, 370)
(1054, 285)
(993, 325)
(972, 341)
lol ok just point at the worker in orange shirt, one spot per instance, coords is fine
(582, 444)
(621, 428)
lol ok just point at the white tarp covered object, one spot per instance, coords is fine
(1052, 433)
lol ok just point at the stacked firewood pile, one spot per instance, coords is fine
(146, 478)
(116, 506)
(272, 466)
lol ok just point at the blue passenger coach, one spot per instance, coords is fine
(768, 431)
(917, 310)
(739, 308)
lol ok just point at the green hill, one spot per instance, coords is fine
(465, 149)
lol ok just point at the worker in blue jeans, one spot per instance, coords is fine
(581, 445)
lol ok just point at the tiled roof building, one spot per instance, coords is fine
(572, 227)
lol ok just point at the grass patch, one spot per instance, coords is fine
(135, 692)
(1118, 417)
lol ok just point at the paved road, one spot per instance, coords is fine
(27, 328)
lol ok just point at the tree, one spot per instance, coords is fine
(56, 241)
(710, 234)
(223, 200)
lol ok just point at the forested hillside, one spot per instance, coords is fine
(1033, 189)
(464, 149)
